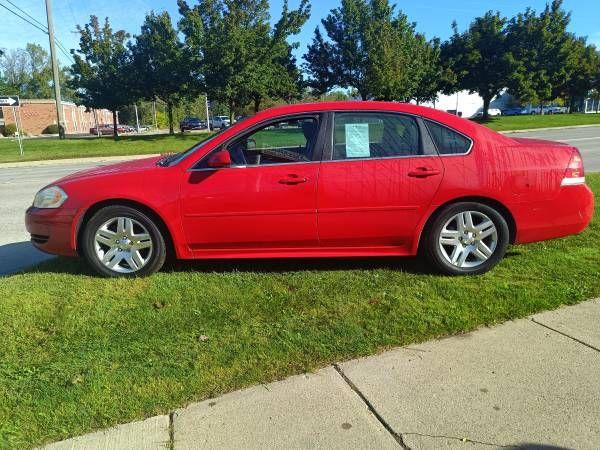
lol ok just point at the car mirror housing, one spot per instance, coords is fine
(219, 160)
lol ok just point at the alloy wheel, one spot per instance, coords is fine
(468, 239)
(123, 245)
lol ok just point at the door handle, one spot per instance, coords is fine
(292, 178)
(423, 172)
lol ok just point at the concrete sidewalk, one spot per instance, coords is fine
(526, 384)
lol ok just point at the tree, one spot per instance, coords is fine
(101, 68)
(539, 51)
(319, 65)
(435, 77)
(584, 68)
(160, 63)
(371, 48)
(479, 57)
(241, 58)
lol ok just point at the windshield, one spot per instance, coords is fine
(175, 158)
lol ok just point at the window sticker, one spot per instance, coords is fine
(357, 140)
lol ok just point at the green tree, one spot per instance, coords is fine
(241, 58)
(370, 48)
(161, 64)
(479, 57)
(539, 50)
(320, 65)
(101, 68)
(584, 70)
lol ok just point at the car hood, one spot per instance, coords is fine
(113, 169)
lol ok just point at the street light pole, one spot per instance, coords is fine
(59, 110)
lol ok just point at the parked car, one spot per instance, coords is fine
(492, 112)
(220, 122)
(555, 109)
(339, 179)
(191, 123)
(513, 111)
(107, 129)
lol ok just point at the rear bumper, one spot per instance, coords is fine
(51, 230)
(569, 213)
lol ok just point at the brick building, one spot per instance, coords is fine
(36, 115)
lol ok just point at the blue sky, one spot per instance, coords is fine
(433, 17)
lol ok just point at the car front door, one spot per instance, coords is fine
(265, 201)
(380, 178)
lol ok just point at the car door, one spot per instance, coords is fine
(266, 200)
(381, 175)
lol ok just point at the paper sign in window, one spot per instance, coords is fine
(357, 140)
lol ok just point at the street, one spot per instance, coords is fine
(586, 139)
(19, 183)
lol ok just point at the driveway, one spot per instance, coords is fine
(586, 139)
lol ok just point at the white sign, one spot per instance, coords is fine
(9, 100)
(357, 140)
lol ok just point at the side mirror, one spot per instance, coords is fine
(219, 160)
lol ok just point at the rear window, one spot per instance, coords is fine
(447, 141)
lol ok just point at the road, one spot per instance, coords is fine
(586, 139)
(18, 185)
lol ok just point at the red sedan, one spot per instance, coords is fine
(335, 179)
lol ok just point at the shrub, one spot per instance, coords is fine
(51, 129)
(9, 130)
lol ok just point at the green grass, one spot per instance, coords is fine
(44, 149)
(507, 123)
(81, 353)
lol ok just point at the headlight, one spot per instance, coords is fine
(51, 197)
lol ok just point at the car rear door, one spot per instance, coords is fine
(266, 201)
(378, 180)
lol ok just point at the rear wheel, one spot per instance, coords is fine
(466, 238)
(122, 241)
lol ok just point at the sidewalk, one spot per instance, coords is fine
(526, 384)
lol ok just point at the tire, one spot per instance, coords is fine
(120, 241)
(473, 228)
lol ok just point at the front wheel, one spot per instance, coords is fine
(466, 238)
(122, 241)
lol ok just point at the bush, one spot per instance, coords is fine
(9, 130)
(51, 129)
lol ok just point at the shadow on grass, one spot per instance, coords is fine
(414, 265)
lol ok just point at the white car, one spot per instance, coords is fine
(220, 122)
(492, 112)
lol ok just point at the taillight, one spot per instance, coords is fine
(574, 174)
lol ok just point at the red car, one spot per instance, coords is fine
(340, 179)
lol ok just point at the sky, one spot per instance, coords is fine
(433, 17)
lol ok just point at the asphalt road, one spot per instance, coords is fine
(18, 185)
(586, 139)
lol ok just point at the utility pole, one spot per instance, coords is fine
(59, 110)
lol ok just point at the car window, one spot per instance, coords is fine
(281, 142)
(375, 135)
(447, 141)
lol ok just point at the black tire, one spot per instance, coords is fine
(434, 252)
(156, 257)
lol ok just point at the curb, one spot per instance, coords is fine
(529, 130)
(66, 162)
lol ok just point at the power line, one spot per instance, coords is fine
(41, 26)
(24, 18)
(21, 10)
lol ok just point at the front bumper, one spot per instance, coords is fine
(52, 230)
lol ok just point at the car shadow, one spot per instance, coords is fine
(77, 266)
(16, 256)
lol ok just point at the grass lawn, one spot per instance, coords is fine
(505, 123)
(50, 148)
(80, 353)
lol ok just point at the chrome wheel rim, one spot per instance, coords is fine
(123, 245)
(468, 239)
